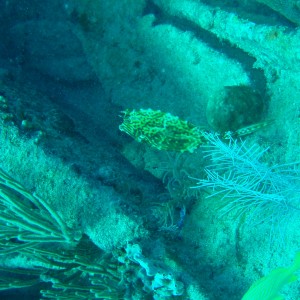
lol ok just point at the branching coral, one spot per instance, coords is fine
(26, 219)
(31, 231)
(37, 247)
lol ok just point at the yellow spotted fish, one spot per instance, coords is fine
(268, 287)
(164, 131)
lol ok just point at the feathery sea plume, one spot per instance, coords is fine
(246, 185)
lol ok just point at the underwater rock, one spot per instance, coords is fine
(289, 9)
(236, 107)
(52, 49)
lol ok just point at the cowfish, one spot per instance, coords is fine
(160, 130)
(164, 131)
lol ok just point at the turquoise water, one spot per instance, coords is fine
(149, 149)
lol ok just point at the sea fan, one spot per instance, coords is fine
(245, 184)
